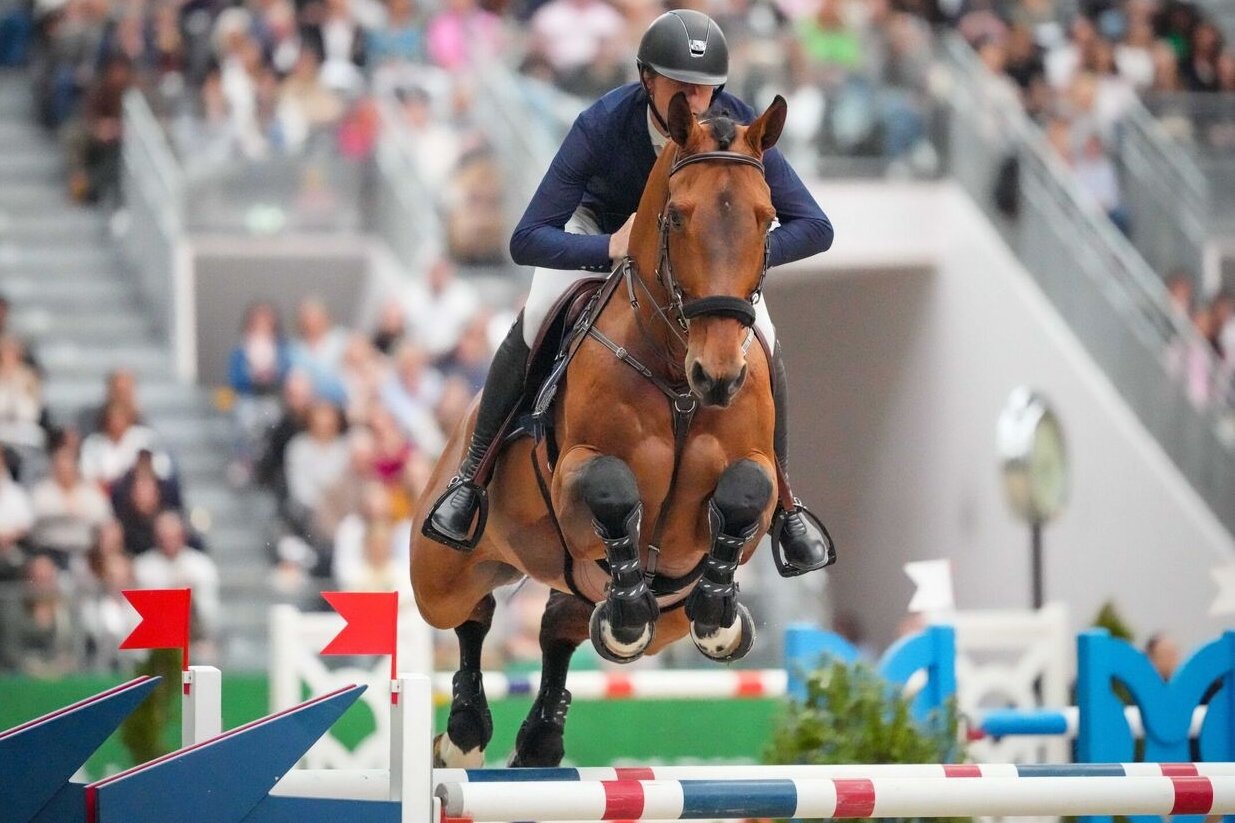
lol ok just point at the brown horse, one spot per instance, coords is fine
(666, 409)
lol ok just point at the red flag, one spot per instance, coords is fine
(164, 620)
(372, 620)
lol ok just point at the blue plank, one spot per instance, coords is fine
(39, 757)
(223, 779)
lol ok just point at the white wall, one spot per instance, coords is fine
(903, 344)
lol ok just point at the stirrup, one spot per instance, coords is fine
(783, 566)
(482, 516)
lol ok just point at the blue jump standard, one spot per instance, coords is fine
(39, 757)
(228, 779)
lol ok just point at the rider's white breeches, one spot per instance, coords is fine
(550, 284)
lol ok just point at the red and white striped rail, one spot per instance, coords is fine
(835, 798)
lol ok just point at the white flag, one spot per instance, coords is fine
(934, 581)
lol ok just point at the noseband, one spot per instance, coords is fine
(740, 309)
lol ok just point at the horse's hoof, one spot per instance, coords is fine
(608, 645)
(446, 755)
(725, 645)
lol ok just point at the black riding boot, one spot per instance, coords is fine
(450, 520)
(800, 542)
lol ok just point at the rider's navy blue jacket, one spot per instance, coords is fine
(604, 164)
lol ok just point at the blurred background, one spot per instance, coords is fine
(253, 265)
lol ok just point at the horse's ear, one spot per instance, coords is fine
(681, 119)
(764, 132)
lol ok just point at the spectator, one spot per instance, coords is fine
(1163, 653)
(434, 146)
(401, 40)
(47, 642)
(391, 326)
(462, 35)
(361, 375)
(410, 394)
(21, 397)
(103, 613)
(318, 350)
(572, 35)
(316, 459)
(27, 355)
(297, 399)
(439, 307)
(107, 454)
(1199, 70)
(470, 358)
(95, 157)
(357, 560)
(344, 496)
(1095, 173)
(119, 387)
(138, 505)
(307, 106)
(256, 369)
(174, 564)
(16, 514)
(67, 509)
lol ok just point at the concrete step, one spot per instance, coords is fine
(63, 294)
(157, 398)
(21, 195)
(103, 326)
(71, 259)
(33, 166)
(65, 358)
(77, 225)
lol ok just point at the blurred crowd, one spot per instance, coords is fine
(344, 425)
(88, 506)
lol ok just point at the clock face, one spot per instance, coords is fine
(1034, 457)
(1048, 468)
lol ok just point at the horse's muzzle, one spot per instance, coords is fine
(714, 391)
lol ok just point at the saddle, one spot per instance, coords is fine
(569, 320)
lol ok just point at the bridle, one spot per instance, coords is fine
(740, 309)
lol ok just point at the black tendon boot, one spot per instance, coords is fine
(800, 542)
(450, 520)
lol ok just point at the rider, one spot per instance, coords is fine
(579, 221)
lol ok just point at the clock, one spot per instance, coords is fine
(1033, 457)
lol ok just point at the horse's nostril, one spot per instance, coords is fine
(699, 376)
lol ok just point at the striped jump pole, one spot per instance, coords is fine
(667, 684)
(1057, 722)
(835, 798)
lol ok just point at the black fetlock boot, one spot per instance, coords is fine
(800, 541)
(450, 521)
(627, 616)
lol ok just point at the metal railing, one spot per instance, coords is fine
(1200, 129)
(406, 216)
(153, 188)
(1114, 303)
(1166, 194)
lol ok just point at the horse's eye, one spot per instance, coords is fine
(676, 220)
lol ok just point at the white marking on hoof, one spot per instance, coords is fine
(456, 758)
(720, 643)
(621, 649)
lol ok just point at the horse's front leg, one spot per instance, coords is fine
(722, 627)
(470, 725)
(622, 625)
(562, 628)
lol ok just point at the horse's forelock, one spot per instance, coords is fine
(723, 127)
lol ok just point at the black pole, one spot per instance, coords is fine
(1035, 536)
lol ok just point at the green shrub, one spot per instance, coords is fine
(852, 715)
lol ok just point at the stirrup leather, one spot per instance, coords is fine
(482, 516)
(776, 533)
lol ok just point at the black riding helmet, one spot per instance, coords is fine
(686, 46)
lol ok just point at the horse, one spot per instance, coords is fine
(665, 407)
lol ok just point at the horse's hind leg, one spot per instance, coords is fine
(621, 627)
(721, 627)
(470, 725)
(562, 628)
